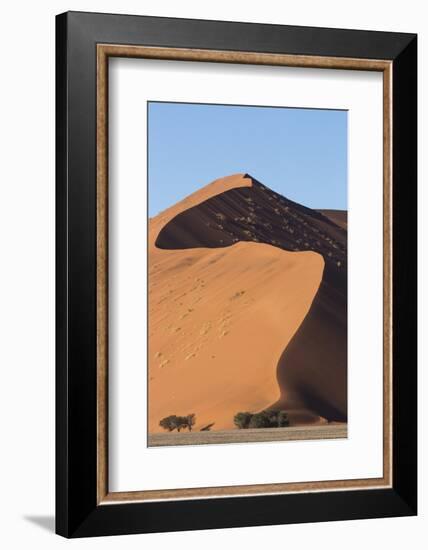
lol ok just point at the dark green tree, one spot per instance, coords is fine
(264, 419)
(272, 416)
(261, 420)
(242, 420)
(190, 421)
(174, 422)
(283, 419)
(169, 423)
(181, 422)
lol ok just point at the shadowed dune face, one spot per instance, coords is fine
(339, 217)
(243, 314)
(312, 370)
(258, 214)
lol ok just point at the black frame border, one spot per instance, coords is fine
(77, 512)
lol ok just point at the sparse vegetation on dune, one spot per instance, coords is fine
(263, 419)
(174, 422)
(242, 420)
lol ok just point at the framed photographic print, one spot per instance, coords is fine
(236, 274)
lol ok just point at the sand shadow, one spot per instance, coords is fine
(207, 428)
(312, 370)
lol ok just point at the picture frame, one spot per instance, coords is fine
(84, 44)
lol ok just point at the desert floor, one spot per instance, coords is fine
(329, 431)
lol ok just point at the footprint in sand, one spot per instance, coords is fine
(158, 354)
(164, 363)
(224, 322)
(190, 356)
(205, 329)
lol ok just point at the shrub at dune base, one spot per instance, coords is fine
(283, 420)
(242, 420)
(263, 419)
(174, 422)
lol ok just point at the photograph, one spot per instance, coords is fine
(213, 268)
(247, 273)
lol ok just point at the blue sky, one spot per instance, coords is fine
(300, 153)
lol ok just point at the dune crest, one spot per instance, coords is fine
(214, 188)
(247, 301)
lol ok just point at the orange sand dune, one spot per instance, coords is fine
(219, 321)
(233, 272)
(217, 187)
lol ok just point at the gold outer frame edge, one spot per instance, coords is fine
(104, 51)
